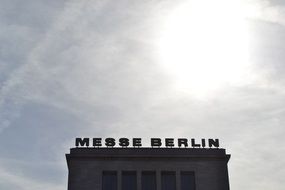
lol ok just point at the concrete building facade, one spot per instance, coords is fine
(147, 169)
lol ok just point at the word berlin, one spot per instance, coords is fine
(154, 142)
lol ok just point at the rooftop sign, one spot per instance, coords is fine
(154, 142)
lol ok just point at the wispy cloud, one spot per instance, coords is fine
(13, 181)
(265, 10)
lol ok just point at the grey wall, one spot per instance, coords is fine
(85, 170)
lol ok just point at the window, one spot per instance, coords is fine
(187, 181)
(109, 180)
(148, 180)
(168, 181)
(129, 180)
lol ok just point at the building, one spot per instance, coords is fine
(153, 168)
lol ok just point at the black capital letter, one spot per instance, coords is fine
(169, 142)
(81, 142)
(214, 143)
(124, 142)
(97, 142)
(156, 142)
(110, 142)
(137, 142)
(182, 142)
(193, 143)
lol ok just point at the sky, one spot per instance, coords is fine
(194, 69)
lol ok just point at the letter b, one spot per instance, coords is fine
(156, 142)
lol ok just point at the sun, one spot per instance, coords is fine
(203, 45)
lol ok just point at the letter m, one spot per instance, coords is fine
(82, 142)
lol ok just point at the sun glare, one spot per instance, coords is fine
(204, 46)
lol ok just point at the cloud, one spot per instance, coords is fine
(266, 10)
(78, 63)
(71, 80)
(14, 181)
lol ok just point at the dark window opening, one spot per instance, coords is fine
(148, 180)
(109, 180)
(129, 180)
(168, 181)
(187, 180)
